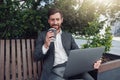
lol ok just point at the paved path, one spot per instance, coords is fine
(115, 49)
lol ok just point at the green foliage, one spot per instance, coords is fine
(95, 39)
(93, 27)
(19, 21)
(44, 17)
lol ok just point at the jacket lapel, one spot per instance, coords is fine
(63, 38)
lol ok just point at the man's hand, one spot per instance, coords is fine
(97, 64)
(48, 39)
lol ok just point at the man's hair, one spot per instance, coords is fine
(53, 11)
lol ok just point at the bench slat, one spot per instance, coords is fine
(19, 64)
(7, 63)
(39, 68)
(13, 60)
(29, 59)
(24, 59)
(34, 63)
(2, 59)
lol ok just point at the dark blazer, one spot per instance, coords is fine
(48, 59)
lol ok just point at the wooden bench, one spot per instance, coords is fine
(16, 60)
(17, 63)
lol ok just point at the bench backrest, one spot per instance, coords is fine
(16, 60)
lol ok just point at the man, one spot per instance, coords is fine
(55, 54)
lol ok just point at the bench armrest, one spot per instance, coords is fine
(109, 65)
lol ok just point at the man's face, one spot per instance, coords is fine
(55, 21)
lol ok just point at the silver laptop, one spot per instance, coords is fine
(82, 60)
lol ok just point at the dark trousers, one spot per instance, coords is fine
(86, 76)
(58, 72)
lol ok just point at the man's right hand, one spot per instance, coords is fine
(48, 39)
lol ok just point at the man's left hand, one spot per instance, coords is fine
(97, 64)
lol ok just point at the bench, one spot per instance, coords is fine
(17, 63)
(16, 60)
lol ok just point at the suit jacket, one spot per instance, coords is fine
(48, 58)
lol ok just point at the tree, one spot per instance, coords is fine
(19, 20)
(95, 39)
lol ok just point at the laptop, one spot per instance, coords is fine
(82, 60)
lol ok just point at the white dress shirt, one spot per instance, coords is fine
(60, 54)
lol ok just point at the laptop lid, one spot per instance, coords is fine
(82, 60)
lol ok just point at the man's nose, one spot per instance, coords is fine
(55, 21)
